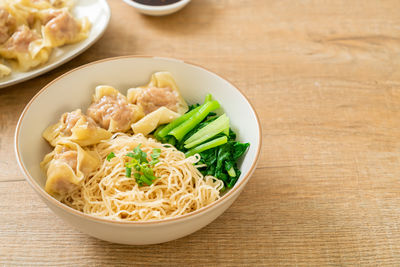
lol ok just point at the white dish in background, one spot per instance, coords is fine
(98, 12)
(158, 10)
(74, 90)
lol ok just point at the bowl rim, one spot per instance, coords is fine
(231, 193)
(145, 7)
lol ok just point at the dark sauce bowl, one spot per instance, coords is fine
(156, 2)
(157, 7)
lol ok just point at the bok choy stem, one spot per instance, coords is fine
(208, 145)
(175, 123)
(180, 131)
(215, 127)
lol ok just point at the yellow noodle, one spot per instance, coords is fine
(108, 193)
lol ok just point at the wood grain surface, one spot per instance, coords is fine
(324, 77)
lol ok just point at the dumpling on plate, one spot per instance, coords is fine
(111, 110)
(76, 127)
(17, 14)
(4, 70)
(44, 4)
(161, 91)
(25, 47)
(62, 3)
(8, 25)
(63, 28)
(66, 166)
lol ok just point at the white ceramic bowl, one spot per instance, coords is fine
(158, 10)
(74, 90)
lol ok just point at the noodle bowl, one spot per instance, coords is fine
(67, 92)
(108, 193)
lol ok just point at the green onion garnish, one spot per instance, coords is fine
(140, 166)
(110, 156)
(128, 172)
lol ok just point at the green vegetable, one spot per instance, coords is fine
(170, 140)
(208, 98)
(232, 172)
(157, 131)
(231, 135)
(145, 179)
(180, 131)
(191, 107)
(143, 174)
(137, 178)
(224, 155)
(128, 172)
(110, 156)
(210, 118)
(239, 149)
(221, 162)
(175, 123)
(210, 144)
(212, 129)
(201, 131)
(154, 156)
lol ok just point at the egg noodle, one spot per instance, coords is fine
(108, 193)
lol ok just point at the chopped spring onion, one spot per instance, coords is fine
(110, 156)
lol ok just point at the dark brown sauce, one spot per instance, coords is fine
(156, 2)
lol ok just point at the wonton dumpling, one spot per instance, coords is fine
(25, 46)
(75, 127)
(66, 166)
(111, 110)
(63, 28)
(154, 119)
(8, 25)
(44, 4)
(62, 3)
(18, 14)
(161, 91)
(4, 70)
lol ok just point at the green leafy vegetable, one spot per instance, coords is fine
(208, 98)
(239, 149)
(231, 172)
(128, 172)
(212, 129)
(201, 131)
(180, 131)
(210, 144)
(221, 162)
(175, 123)
(110, 156)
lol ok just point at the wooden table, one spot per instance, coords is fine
(324, 77)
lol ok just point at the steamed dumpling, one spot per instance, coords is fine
(4, 70)
(15, 14)
(76, 127)
(63, 28)
(111, 110)
(44, 4)
(161, 91)
(8, 25)
(154, 119)
(26, 48)
(160, 100)
(66, 166)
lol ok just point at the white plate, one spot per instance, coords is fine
(98, 12)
